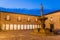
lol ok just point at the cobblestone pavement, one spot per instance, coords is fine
(25, 35)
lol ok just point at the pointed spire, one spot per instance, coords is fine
(41, 9)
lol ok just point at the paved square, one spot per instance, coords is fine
(25, 35)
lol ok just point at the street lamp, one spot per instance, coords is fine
(51, 25)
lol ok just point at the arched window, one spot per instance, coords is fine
(7, 26)
(36, 19)
(28, 19)
(28, 26)
(3, 26)
(36, 26)
(22, 27)
(11, 26)
(15, 27)
(18, 26)
(7, 17)
(25, 26)
(31, 26)
(19, 18)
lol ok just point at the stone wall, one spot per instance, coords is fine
(55, 20)
(12, 21)
(23, 19)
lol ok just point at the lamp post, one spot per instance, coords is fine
(51, 25)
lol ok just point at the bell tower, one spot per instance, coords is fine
(42, 19)
(41, 9)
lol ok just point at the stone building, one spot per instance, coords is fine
(13, 21)
(53, 17)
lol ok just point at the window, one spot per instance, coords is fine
(15, 27)
(25, 26)
(28, 19)
(36, 19)
(36, 26)
(22, 27)
(28, 26)
(3, 26)
(40, 26)
(7, 17)
(7, 26)
(11, 27)
(18, 26)
(31, 26)
(19, 18)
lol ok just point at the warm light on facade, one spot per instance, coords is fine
(51, 19)
(28, 19)
(7, 17)
(36, 19)
(19, 18)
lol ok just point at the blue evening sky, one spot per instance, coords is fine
(30, 4)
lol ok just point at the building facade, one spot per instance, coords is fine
(12, 21)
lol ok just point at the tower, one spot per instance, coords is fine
(41, 9)
(42, 19)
